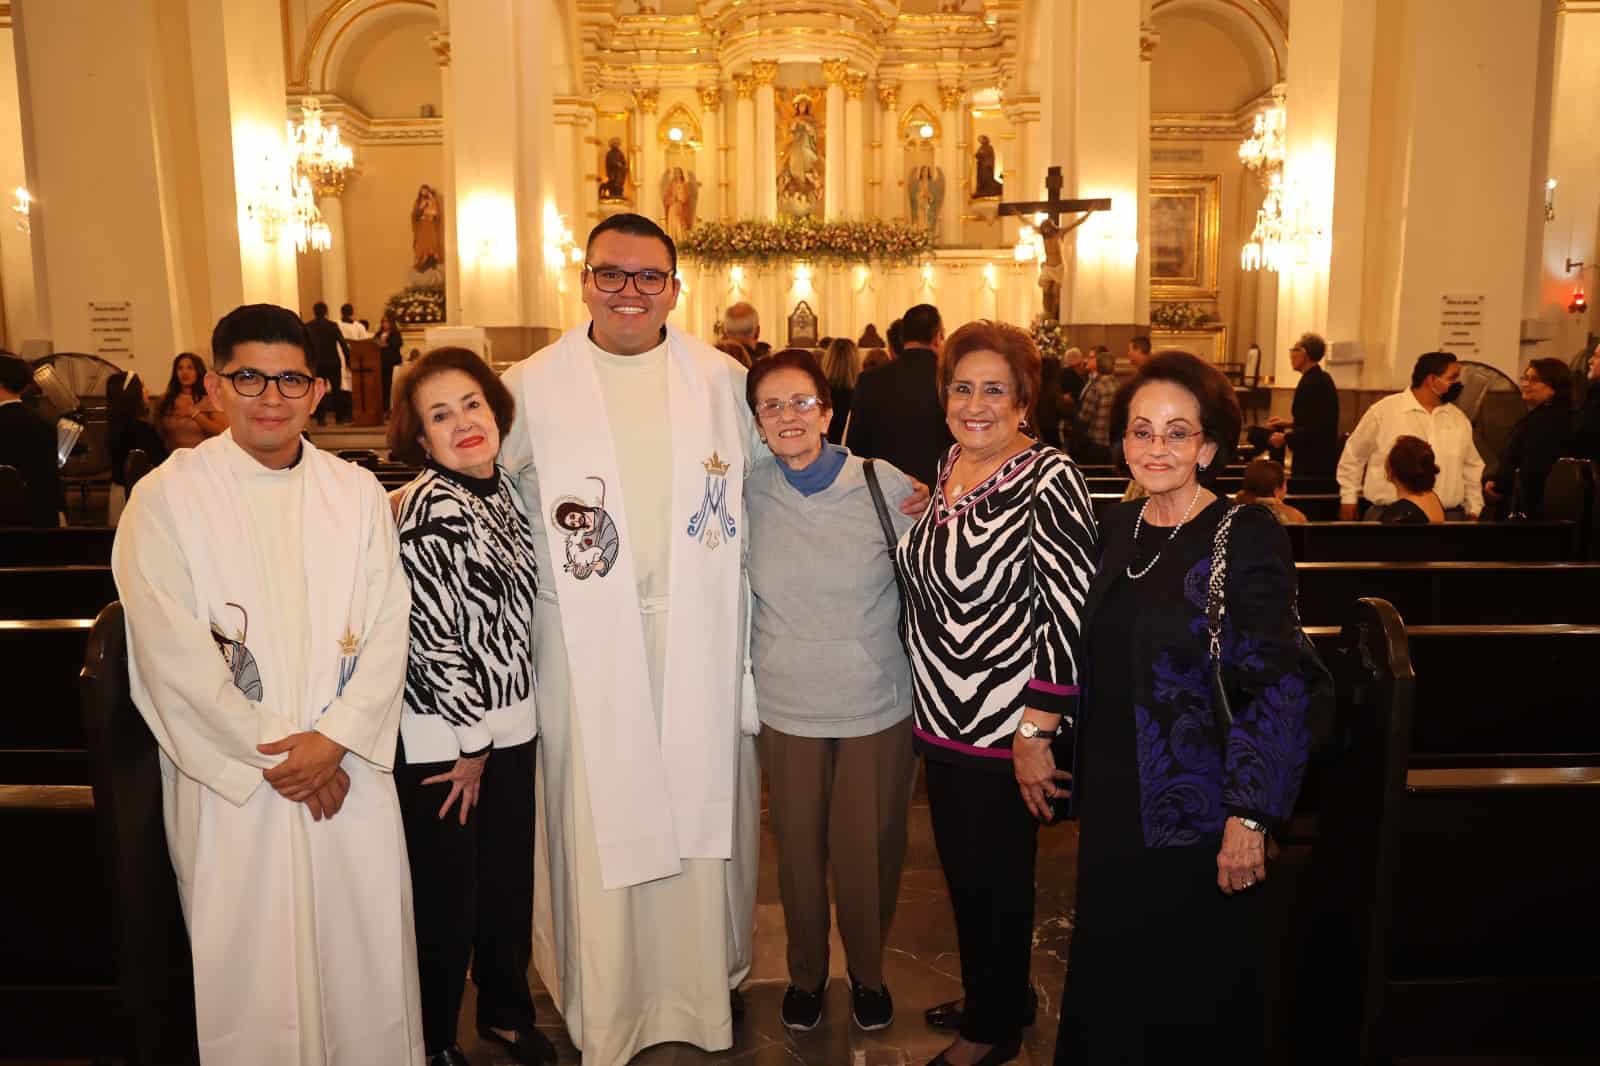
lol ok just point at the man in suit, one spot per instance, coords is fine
(897, 412)
(1312, 434)
(330, 354)
(28, 443)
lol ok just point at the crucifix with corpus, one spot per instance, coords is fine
(1051, 271)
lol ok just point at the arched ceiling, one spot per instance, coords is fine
(1216, 56)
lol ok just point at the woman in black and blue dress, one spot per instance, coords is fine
(1168, 944)
(995, 574)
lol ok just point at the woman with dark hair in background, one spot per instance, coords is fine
(186, 416)
(1264, 483)
(841, 365)
(1514, 485)
(126, 408)
(389, 340)
(1411, 469)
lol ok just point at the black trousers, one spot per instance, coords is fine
(987, 841)
(472, 891)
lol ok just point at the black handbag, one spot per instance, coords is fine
(1321, 697)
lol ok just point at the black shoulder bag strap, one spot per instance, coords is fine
(880, 505)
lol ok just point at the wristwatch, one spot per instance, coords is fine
(1030, 730)
(1253, 825)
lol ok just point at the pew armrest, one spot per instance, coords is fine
(1484, 777)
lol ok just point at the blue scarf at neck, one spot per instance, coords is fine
(820, 474)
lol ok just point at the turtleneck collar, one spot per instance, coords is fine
(482, 487)
(821, 472)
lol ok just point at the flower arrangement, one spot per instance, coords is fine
(714, 243)
(1048, 335)
(1177, 315)
(418, 305)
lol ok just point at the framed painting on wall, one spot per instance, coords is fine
(1184, 213)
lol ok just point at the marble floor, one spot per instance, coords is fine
(921, 969)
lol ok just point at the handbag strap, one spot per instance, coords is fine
(1216, 604)
(1033, 566)
(879, 504)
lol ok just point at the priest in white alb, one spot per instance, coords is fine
(630, 449)
(268, 619)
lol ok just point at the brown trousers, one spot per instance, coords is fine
(844, 800)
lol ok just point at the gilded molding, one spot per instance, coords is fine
(950, 97)
(889, 97)
(765, 71)
(647, 99)
(710, 97)
(439, 41)
(835, 71)
(855, 85)
(744, 85)
(1149, 40)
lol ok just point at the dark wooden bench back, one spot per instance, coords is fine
(13, 498)
(54, 591)
(1451, 593)
(75, 545)
(1452, 542)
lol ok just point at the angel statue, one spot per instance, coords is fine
(925, 196)
(800, 169)
(680, 193)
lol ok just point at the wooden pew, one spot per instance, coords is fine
(1452, 541)
(57, 996)
(1454, 593)
(1449, 909)
(72, 546)
(54, 591)
(1315, 508)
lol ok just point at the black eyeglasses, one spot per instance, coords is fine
(645, 282)
(251, 383)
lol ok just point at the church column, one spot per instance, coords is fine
(765, 72)
(950, 97)
(710, 154)
(744, 112)
(439, 41)
(855, 139)
(335, 271)
(1470, 76)
(891, 190)
(649, 198)
(834, 72)
(1103, 284)
(1024, 178)
(1329, 143)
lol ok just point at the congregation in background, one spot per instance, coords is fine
(514, 716)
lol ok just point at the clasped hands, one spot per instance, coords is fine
(310, 773)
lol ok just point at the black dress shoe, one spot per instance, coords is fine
(450, 1056)
(529, 1046)
(948, 1015)
(998, 1055)
(736, 1004)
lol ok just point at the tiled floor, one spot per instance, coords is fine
(921, 970)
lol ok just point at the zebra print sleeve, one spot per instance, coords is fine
(1064, 553)
(443, 676)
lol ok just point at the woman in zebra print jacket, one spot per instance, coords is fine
(467, 731)
(995, 573)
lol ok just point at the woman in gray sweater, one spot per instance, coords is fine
(832, 685)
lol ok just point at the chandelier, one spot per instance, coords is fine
(283, 206)
(1263, 151)
(318, 152)
(1283, 235)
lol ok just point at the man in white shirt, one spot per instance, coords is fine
(1425, 410)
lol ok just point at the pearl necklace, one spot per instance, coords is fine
(1139, 524)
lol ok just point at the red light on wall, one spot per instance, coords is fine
(1579, 304)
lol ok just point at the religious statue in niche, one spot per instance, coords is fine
(800, 166)
(985, 184)
(614, 186)
(680, 194)
(427, 237)
(803, 326)
(925, 196)
(1052, 271)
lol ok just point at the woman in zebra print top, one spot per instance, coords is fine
(995, 573)
(467, 731)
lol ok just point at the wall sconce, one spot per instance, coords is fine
(989, 278)
(863, 276)
(802, 274)
(925, 131)
(736, 276)
(22, 205)
(675, 135)
(927, 275)
(1579, 304)
(1550, 200)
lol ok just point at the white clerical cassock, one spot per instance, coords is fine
(647, 773)
(262, 603)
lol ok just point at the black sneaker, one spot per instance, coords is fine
(802, 1010)
(872, 1010)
